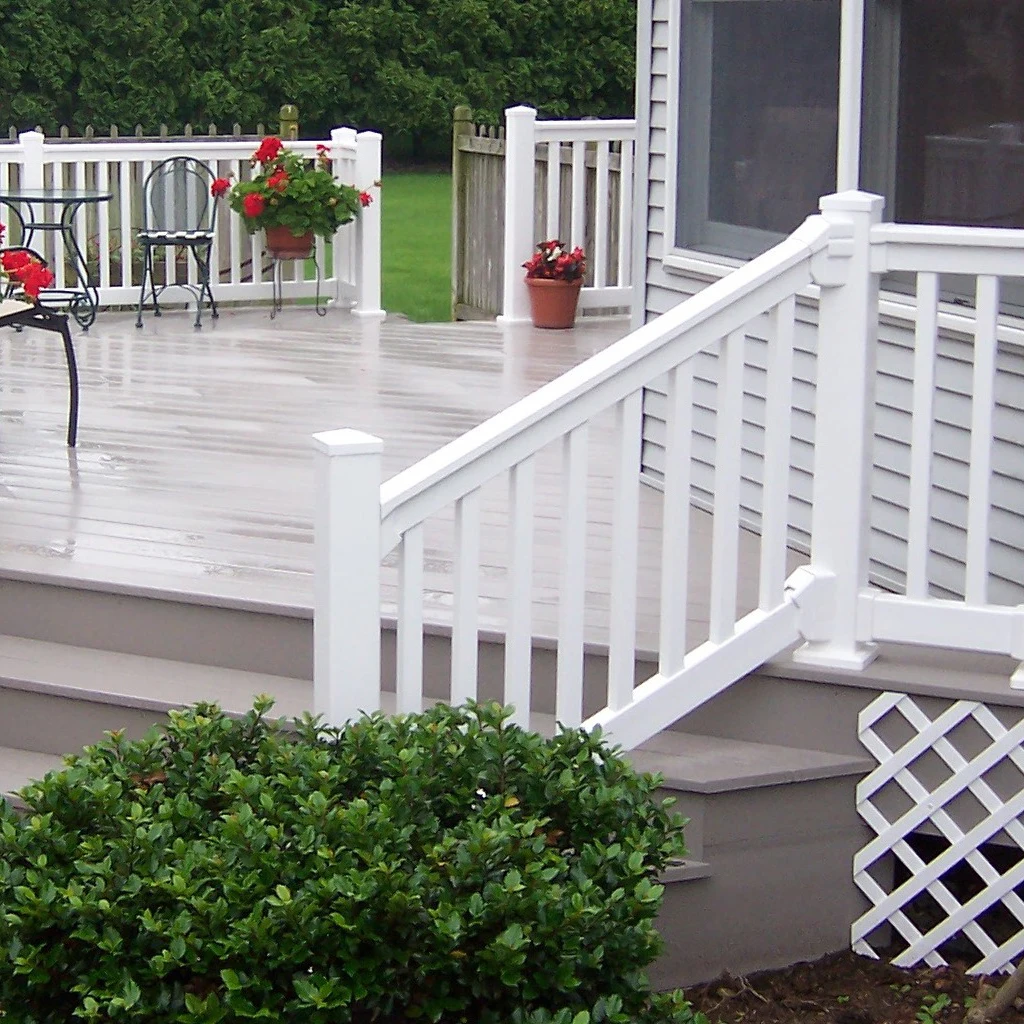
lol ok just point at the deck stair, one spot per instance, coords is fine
(77, 661)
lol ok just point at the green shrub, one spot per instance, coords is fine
(438, 866)
(398, 66)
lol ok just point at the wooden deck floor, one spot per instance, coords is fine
(194, 469)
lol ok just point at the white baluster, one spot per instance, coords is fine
(778, 428)
(726, 521)
(922, 423)
(675, 530)
(554, 188)
(625, 253)
(979, 485)
(578, 222)
(625, 531)
(602, 211)
(409, 639)
(466, 574)
(518, 634)
(572, 584)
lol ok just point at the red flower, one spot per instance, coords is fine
(321, 148)
(13, 261)
(219, 187)
(3, 228)
(253, 204)
(268, 149)
(365, 198)
(278, 180)
(34, 278)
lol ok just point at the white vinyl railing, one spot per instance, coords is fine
(917, 616)
(827, 603)
(359, 522)
(588, 224)
(349, 264)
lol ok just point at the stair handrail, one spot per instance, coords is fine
(596, 384)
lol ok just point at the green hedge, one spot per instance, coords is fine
(438, 867)
(399, 66)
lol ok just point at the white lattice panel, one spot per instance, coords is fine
(955, 774)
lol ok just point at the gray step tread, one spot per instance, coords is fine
(688, 762)
(17, 767)
(156, 683)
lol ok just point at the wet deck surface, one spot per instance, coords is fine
(194, 468)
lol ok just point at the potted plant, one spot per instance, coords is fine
(554, 276)
(292, 199)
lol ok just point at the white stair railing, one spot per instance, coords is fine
(353, 520)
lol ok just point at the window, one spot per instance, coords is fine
(942, 132)
(758, 114)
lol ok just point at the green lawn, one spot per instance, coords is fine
(416, 245)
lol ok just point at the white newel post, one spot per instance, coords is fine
(368, 233)
(32, 168)
(520, 145)
(844, 428)
(346, 575)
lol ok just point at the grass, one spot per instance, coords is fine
(416, 245)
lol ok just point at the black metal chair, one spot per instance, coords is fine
(178, 211)
(41, 316)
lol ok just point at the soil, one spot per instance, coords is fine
(845, 988)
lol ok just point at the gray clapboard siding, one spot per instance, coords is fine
(666, 287)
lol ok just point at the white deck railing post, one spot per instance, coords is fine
(520, 145)
(844, 428)
(368, 227)
(346, 585)
(32, 168)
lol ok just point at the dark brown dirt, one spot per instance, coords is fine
(844, 988)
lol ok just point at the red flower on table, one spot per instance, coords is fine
(219, 187)
(15, 260)
(278, 180)
(365, 198)
(268, 149)
(253, 204)
(34, 277)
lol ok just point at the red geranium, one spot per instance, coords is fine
(33, 277)
(13, 261)
(253, 205)
(365, 198)
(278, 180)
(219, 187)
(268, 150)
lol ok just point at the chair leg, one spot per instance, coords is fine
(69, 353)
(203, 266)
(146, 266)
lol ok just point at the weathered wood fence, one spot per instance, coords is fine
(583, 205)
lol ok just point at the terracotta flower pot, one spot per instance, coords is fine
(553, 303)
(283, 245)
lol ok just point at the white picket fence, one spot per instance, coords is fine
(350, 263)
(590, 217)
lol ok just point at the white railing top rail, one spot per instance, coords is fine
(585, 131)
(595, 385)
(935, 248)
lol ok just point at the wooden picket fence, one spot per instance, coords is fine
(478, 211)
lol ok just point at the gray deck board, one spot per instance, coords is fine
(194, 471)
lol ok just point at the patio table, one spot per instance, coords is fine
(64, 203)
(17, 314)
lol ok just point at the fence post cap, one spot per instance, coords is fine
(520, 111)
(347, 442)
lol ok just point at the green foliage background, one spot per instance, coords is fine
(398, 66)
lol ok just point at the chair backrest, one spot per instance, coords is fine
(176, 196)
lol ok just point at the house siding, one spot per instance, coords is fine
(665, 288)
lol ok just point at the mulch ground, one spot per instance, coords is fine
(844, 988)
